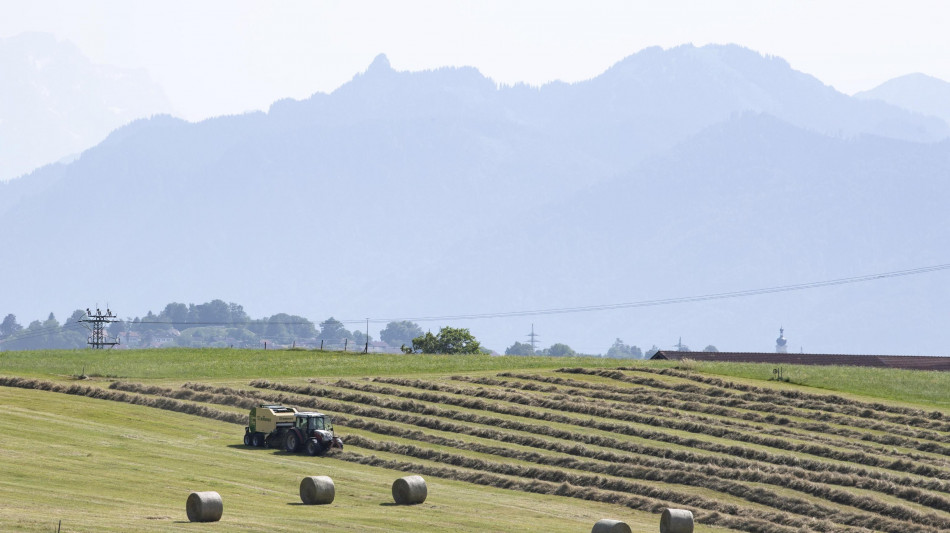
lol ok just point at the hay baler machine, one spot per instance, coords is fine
(275, 426)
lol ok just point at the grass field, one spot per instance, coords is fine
(505, 443)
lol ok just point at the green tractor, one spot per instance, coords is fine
(276, 426)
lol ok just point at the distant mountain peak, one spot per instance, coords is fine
(380, 64)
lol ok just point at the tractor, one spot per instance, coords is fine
(274, 426)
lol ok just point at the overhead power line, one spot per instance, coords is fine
(679, 300)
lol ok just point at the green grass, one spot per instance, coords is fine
(923, 388)
(224, 363)
(107, 466)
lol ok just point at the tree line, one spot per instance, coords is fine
(212, 324)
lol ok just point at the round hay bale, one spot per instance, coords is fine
(317, 490)
(607, 525)
(410, 490)
(676, 521)
(204, 506)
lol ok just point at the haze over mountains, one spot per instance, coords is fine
(55, 103)
(677, 172)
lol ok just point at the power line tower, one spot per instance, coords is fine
(98, 340)
(534, 339)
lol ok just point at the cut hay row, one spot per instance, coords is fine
(751, 523)
(831, 403)
(788, 511)
(735, 402)
(664, 403)
(833, 399)
(714, 518)
(717, 479)
(822, 410)
(474, 399)
(909, 489)
(167, 404)
(672, 470)
(733, 450)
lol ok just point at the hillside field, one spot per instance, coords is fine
(116, 440)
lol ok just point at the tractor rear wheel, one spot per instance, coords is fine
(247, 439)
(257, 440)
(292, 442)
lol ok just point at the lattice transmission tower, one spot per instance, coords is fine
(534, 339)
(98, 340)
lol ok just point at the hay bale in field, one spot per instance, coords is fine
(676, 521)
(317, 490)
(410, 490)
(607, 525)
(204, 507)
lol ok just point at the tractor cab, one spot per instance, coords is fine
(307, 422)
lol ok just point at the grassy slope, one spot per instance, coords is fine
(134, 466)
(118, 467)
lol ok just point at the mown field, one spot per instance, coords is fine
(505, 443)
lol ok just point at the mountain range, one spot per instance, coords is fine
(676, 173)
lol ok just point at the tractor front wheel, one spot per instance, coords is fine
(292, 442)
(313, 448)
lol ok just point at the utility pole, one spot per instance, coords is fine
(366, 348)
(98, 339)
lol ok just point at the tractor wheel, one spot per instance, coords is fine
(257, 440)
(313, 448)
(247, 439)
(292, 442)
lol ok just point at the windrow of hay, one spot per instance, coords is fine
(751, 524)
(908, 463)
(909, 494)
(648, 495)
(796, 394)
(909, 519)
(166, 404)
(727, 481)
(826, 402)
(756, 475)
(664, 403)
(735, 451)
(826, 411)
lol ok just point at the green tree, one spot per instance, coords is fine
(400, 333)
(623, 351)
(333, 332)
(9, 326)
(448, 341)
(176, 313)
(520, 348)
(560, 350)
(710, 348)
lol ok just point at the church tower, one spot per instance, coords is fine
(781, 344)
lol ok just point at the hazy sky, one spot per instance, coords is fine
(227, 56)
